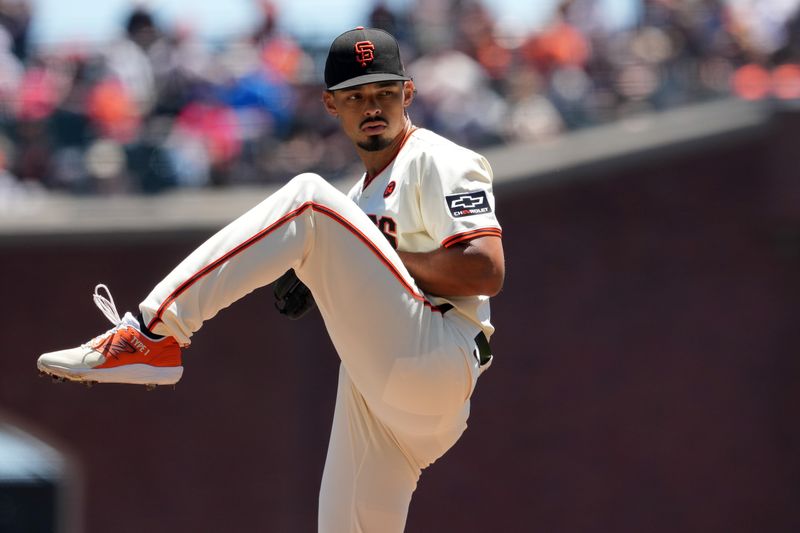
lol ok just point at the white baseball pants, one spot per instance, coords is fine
(407, 369)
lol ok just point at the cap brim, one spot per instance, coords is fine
(368, 78)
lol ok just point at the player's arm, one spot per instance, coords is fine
(475, 267)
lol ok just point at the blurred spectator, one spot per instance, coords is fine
(12, 190)
(262, 102)
(384, 18)
(113, 111)
(181, 65)
(32, 151)
(561, 52)
(559, 45)
(15, 18)
(11, 73)
(477, 39)
(762, 24)
(281, 55)
(432, 25)
(7, 179)
(454, 98)
(128, 61)
(215, 126)
(531, 115)
(188, 156)
(147, 158)
(70, 124)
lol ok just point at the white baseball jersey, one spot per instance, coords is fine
(434, 193)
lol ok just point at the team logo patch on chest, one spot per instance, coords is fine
(389, 189)
(468, 203)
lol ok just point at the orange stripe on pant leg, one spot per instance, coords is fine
(330, 213)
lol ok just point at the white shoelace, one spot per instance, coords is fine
(106, 305)
(109, 309)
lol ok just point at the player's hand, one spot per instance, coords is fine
(292, 297)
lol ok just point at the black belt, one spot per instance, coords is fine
(484, 350)
(481, 342)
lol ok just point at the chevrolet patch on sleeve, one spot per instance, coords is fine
(468, 203)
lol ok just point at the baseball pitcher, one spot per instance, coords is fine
(401, 270)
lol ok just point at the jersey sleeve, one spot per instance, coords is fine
(456, 197)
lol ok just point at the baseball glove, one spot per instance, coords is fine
(292, 297)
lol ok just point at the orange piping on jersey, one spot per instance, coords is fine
(333, 215)
(368, 179)
(469, 235)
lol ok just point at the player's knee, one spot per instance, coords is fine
(307, 180)
(310, 186)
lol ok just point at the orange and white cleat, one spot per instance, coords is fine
(123, 354)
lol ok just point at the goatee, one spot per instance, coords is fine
(374, 144)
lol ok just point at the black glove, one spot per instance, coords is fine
(293, 298)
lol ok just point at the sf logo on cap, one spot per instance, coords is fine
(365, 52)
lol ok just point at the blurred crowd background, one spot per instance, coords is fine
(160, 108)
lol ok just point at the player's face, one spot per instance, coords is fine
(371, 115)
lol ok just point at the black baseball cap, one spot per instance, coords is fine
(363, 55)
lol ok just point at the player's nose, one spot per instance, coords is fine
(371, 107)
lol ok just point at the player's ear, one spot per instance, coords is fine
(409, 91)
(329, 103)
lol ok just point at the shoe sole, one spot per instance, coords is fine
(135, 374)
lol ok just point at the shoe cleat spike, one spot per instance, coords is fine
(43, 374)
(150, 387)
(88, 384)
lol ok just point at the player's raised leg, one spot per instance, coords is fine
(399, 350)
(131, 353)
